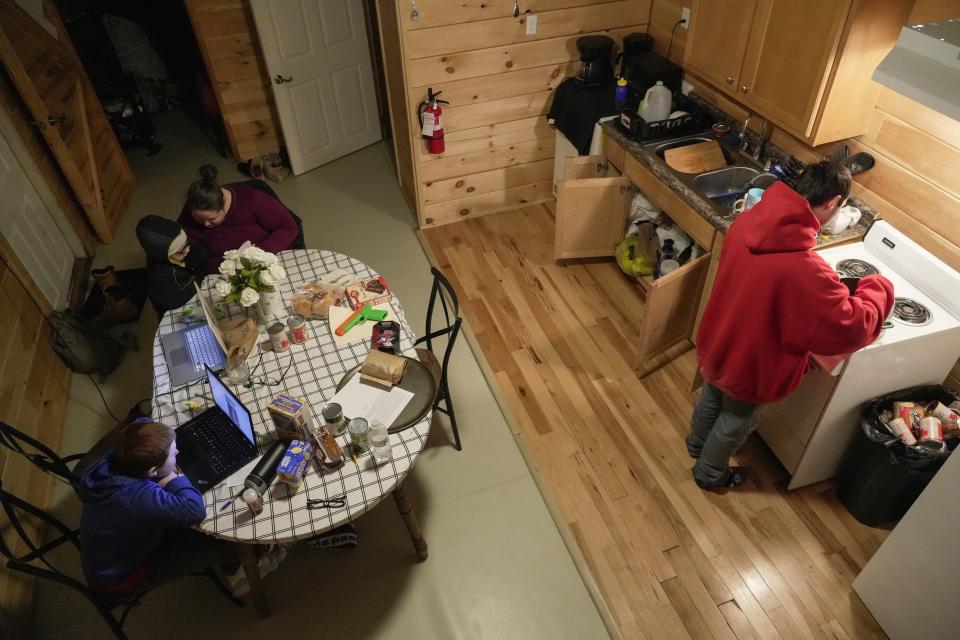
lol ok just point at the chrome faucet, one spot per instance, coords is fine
(761, 138)
(743, 131)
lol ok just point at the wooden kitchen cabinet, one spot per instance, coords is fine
(671, 301)
(670, 310)
(708, 281)
(717, 41)
(591, 209)
(806, 66)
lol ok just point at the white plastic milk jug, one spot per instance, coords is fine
(657, 103)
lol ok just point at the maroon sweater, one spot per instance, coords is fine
(253, 216)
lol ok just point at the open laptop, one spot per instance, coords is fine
(218, 441)
(188, 350)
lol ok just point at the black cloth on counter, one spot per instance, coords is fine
(576, 109)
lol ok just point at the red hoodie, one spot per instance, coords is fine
(776, 301)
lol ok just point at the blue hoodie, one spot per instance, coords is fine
(123, 519)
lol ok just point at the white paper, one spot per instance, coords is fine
(236, 478)
(366, 401)
(428, 124)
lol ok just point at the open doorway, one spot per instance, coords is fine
(142, 59)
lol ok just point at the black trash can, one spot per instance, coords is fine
(882, 476)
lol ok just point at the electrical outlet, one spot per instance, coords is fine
(531, 25)
(685, 16)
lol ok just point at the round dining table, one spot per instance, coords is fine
(311, 371)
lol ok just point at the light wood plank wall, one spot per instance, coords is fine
(915, 184)
(33, 398)
(228, 40)
(499, 81)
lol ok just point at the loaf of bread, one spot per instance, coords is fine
(314, 300)
(383, 368)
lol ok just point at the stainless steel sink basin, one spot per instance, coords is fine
(659, 147)
(724, 182)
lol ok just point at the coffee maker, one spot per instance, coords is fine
(596, 53)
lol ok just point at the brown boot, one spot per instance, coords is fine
(105, 277)
(118, 308)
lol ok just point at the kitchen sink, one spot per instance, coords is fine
(721, 186)
(720, 183)
(660, 147)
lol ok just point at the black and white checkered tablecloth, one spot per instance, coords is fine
(311, 371)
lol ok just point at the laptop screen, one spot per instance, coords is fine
(231, 405)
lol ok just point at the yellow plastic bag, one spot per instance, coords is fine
(632, 256)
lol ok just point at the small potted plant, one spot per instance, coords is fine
(249, 275)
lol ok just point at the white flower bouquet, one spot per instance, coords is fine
(247, 273)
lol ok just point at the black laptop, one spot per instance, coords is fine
(218, 441)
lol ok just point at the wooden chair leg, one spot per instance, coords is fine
(410, 520)
(248, 558)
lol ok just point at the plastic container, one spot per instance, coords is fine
(620, 96)
(657, 103)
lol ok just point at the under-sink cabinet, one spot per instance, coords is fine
(592, 206)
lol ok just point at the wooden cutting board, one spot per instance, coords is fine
(696, 158)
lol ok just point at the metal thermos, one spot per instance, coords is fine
(266, 470)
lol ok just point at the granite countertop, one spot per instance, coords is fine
(719, 217)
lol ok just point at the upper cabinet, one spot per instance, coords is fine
(804, 65)
(717, 42)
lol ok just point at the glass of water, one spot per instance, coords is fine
(379, 441)
(238, 375)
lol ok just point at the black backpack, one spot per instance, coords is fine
(84, 347)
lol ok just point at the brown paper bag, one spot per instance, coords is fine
(240, 336)
(382, 368)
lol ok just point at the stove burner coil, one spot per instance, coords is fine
(911, 312)
(854, 268)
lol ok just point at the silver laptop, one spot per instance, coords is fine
(187, 351)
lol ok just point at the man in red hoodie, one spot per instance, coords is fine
(775, 302)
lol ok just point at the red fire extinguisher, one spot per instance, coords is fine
(431, 125)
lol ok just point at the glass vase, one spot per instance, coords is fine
(268, 307)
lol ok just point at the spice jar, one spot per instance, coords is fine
(334, 419)
(252, 499)
(278, 337)
(357, 428)
(298, 329)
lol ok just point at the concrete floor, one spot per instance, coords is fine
(497, 568)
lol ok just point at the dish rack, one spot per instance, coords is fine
(640, 130)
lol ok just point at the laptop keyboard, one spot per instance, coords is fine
(218, 439)
(204, 348)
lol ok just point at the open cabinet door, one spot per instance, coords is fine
(54, 87)
(671, 310)
(319, 61)
(591, 209)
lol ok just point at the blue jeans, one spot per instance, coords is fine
(719, 426)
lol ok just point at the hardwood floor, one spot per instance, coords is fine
(670, 560)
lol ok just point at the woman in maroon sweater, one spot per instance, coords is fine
(223, 218)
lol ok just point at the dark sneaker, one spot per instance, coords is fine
(735, 478)
(343, 536)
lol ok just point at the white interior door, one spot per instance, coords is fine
(317, 57)
(29, 228)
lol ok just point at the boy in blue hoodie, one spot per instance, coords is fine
(137, 513)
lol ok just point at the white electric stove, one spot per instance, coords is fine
(811, 430)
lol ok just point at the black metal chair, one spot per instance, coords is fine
(260, 185)
(36, 563)
(42, 456)
(443, 291)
